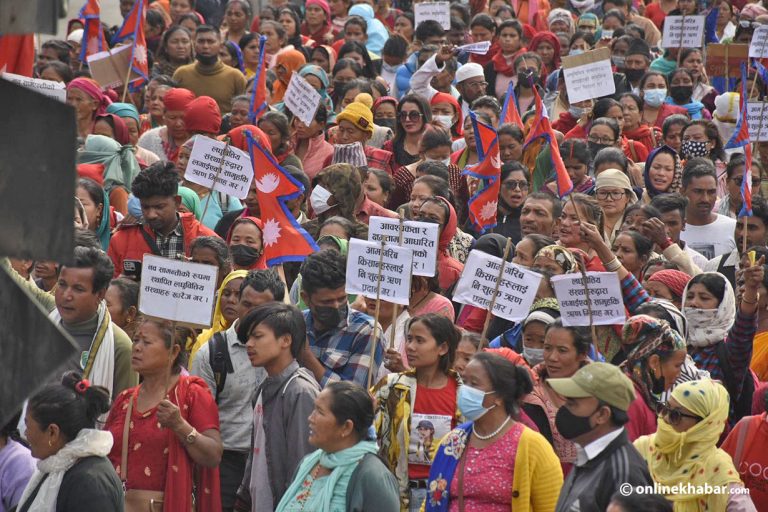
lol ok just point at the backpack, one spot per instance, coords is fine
(221, 363)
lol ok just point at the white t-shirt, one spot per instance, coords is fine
(713, 239)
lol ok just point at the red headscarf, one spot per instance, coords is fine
(675, 280)
(552, 39)
(202, 115)
(443, 97)
(237, 137)
(261, 263)
(177, 100)
(318, 36)
(384, 99)
(92, 89)
(118, 127)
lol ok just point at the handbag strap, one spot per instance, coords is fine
(462, 463)
(126, 431)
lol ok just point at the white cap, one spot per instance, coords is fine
(469, 70)
(75, 36)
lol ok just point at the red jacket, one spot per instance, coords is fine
(129, 244)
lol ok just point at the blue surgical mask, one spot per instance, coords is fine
(655, 97)
(575, 51)
(470, 402)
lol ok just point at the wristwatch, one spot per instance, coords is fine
(192, 436)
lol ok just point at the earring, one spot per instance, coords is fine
(50, 444)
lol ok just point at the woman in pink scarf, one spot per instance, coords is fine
(89, 101)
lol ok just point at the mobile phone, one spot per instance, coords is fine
(132, 269)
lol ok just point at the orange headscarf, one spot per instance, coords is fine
(291, 60)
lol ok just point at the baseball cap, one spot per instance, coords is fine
(603, 381)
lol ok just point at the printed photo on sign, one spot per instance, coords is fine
(426, 432)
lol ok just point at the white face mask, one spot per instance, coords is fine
(446, 121)
(389, 69)
(319, 199)
(533, 355)
(447, 161)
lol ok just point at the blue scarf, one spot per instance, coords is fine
(694, 108)
(444, 467)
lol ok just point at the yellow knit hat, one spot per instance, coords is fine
(359, 115)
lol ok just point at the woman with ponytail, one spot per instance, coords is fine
(73, 472)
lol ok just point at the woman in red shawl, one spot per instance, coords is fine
(547, 45)
(89, 101)
(174, 445)
(500, 71)
(438, 210)
(317, 21)
(246, 244)
(111, 126)
(165, 141)
(483, 28)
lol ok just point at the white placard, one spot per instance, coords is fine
(55, 90)
(178, 290)
(677, 35)
(758, 47)
(589, 75)
(363, 271)
(477, 283)
(302, 99)
(480, 48)
(438, 11)
(235, 176)
(757, 111)
(420, 237)
(604, 292)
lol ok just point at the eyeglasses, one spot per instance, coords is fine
(749, 23)
(601, 140)
(515, 184)
(674, 416)
(410, 116)
(604, 194)
(739, 180)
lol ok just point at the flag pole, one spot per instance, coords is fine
(507, 249)
(394, 310)
(127, 76)
(583, 270)
(216, 176)
(371, 368)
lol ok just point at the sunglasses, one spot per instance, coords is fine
(412, 116)
(674, 416)
(514, 184)
(740, 180)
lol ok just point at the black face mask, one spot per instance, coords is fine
(243, 255)
(658, 385)
(207, 60)
(527, 78)
(594, 147)
(328, 316)
(386, 123)
(681, 93)
(633, 75)
(571, 426)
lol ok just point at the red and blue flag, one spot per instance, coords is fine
(483, 205)
(259, 96)
(510, 114)
(93, 36)
(740, 139)
(133, 27)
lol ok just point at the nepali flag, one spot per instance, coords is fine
(259, 96)
(541, 129)
(483, 205)
(740, 139)
(284, 239)
(93, 36)
(509, 113)
(17, 54)
(133, 27)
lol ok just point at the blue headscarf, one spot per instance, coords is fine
(124, 110)
(377, 32)
(239, 53)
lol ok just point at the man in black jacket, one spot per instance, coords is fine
(595, 411)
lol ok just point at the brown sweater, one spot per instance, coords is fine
(220, 82)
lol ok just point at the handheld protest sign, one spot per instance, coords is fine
(589, 75)
(420, 237)
(724, 60)
(379, 273)
(480, 48)
(759, 43)
(607, 303)
(302, 99)
(437, 11)
(36, 225)
(395, 309)
(758, 124)
(516, 289)
(220, 167)
(179, 291)
(495, 295)
(112, 67)
(683, 32)
(32, 348)
(54, 90)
